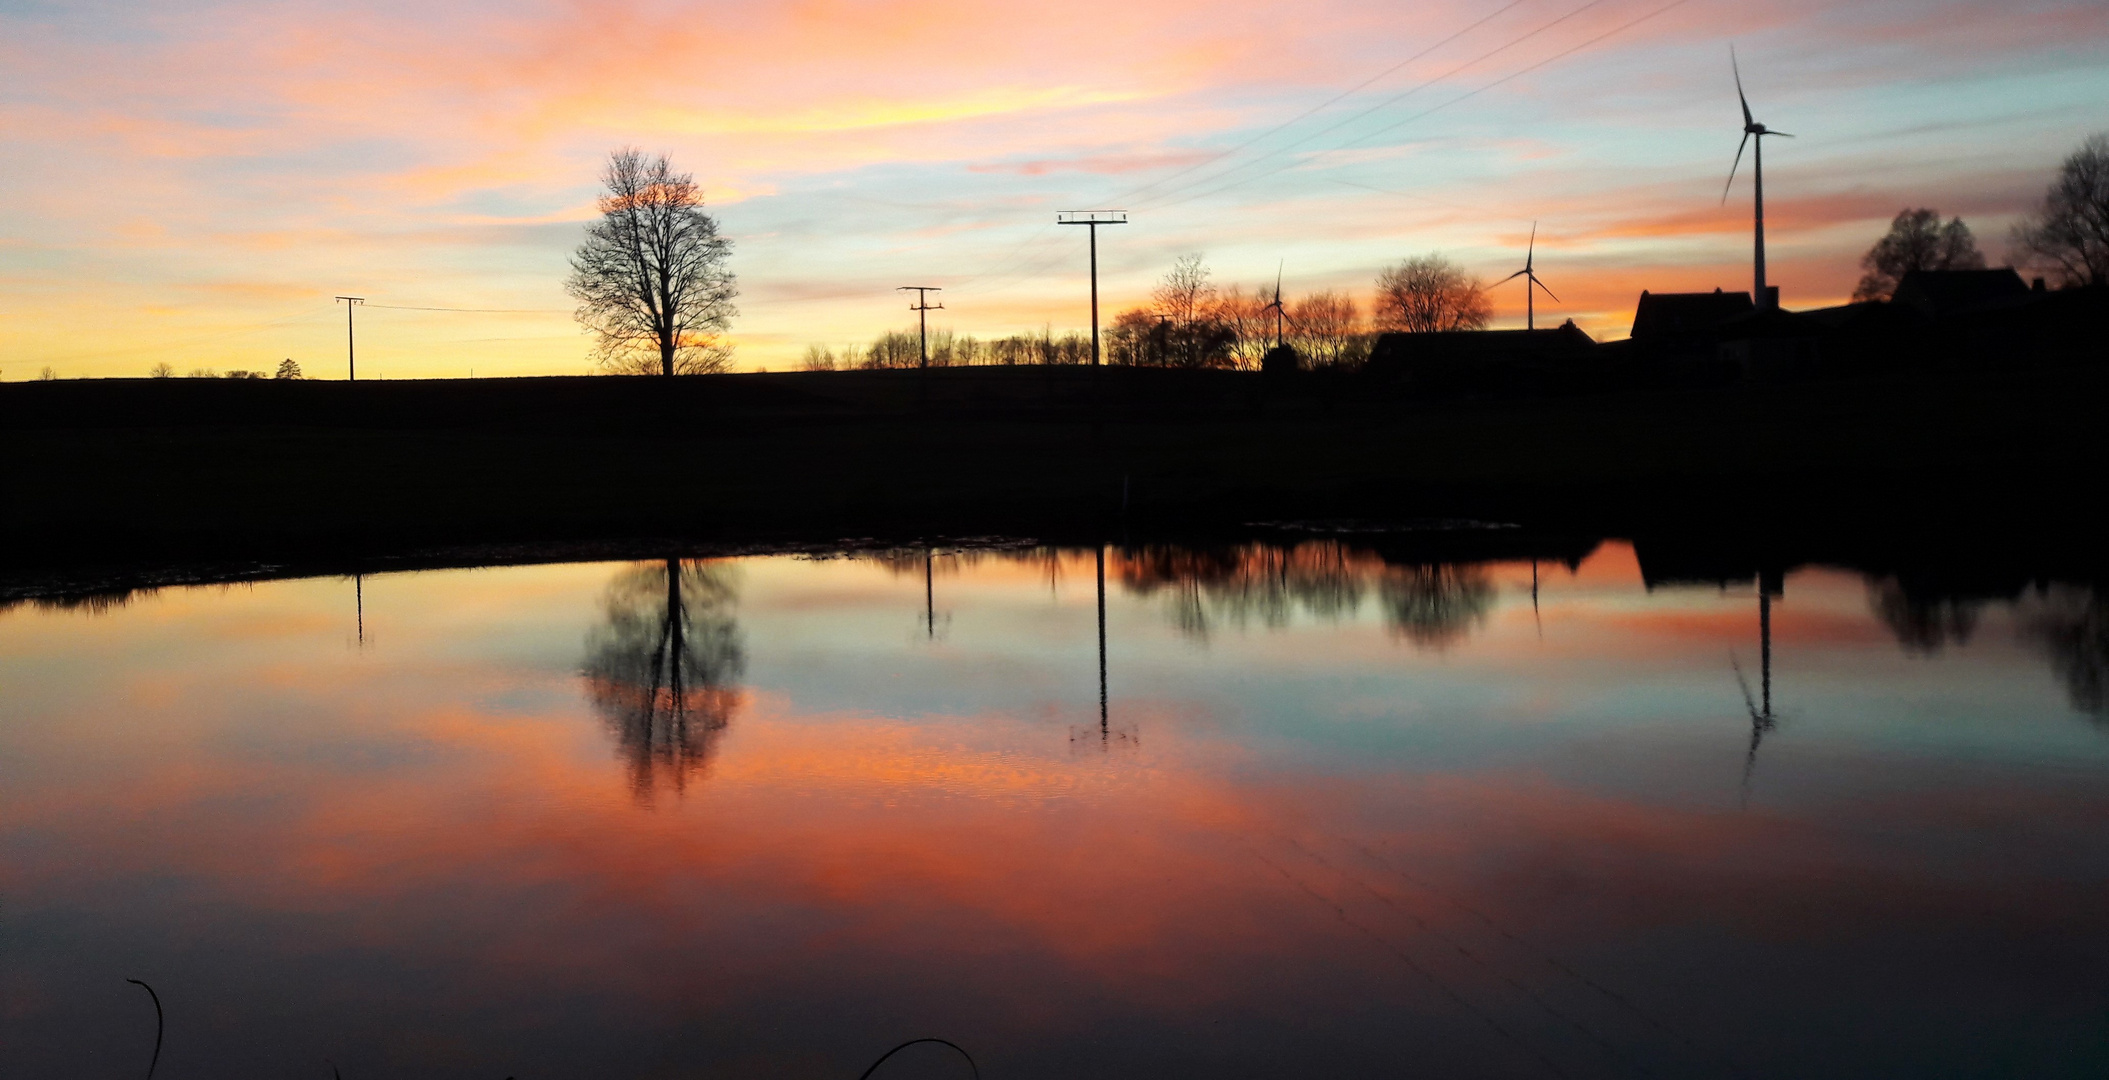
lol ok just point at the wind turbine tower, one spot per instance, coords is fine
(1752, 130)
(1531, 284)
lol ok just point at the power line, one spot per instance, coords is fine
(1517, 74)
(473, 310)
(1379, 106)
(1133, 193)
(1562, 55)
(1005, 279)
(164, 346)
(1160, 200)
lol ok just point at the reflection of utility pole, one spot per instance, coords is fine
(1101, 553)
(351, 353)
(359, 606)
(1765, 645)
(1092, 219)
(922, 311)
(676, 627)
(929, 597)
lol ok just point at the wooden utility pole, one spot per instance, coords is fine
(1092, 219)
(922, 308)
(351, 352)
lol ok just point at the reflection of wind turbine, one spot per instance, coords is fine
(1531, 284)
(1752, 130)
(1762, 721)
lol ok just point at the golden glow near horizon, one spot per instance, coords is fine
(192, 186)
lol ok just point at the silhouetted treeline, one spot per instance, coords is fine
(1192, 323)
(903, 349)
(2067, 623)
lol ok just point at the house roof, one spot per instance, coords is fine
(1943, 292)
(1664, 314)
(1564, 340)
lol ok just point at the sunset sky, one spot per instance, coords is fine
(191, 182)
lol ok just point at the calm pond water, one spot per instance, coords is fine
(1337, 817)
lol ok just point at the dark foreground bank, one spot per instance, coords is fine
(131, 471)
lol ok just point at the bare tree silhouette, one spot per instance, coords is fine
(1922, 624)
(650, 279)
(1193, 337)
(663, 668)
(1430, 293)
(2070, 231)
(1325, 328)
(2071, 626)
(1248, 318)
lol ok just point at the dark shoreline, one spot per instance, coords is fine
(149, 480)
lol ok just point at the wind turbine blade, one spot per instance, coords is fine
(1748, 701)
(1278, 280)
(1733, 66)
(1732, 168)
(1531, 251)
(1513, 276)
(1770, 132)
(1534, 280)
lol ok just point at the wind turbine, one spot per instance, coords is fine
(1530, 276)
(1276, 306)
(1752, 130)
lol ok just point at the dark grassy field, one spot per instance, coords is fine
(146, 471)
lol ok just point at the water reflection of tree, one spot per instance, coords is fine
(2071, 626)
(1239, 585)
(1430, 606)
(663, 668)
(1435, 606)
(1922, 623)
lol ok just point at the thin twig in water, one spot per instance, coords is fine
(975, 1069)
(151, 1065)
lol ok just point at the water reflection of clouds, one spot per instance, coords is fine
(960, 871)
(400, 849)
